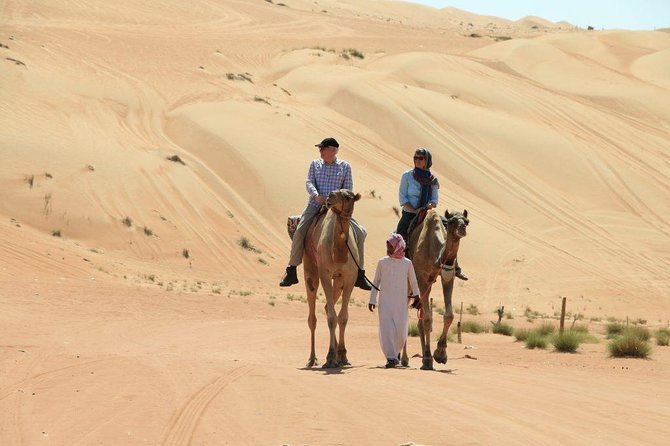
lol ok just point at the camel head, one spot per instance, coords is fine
(342, 202)
(456, 223)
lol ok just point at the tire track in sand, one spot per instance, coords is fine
(184, 422)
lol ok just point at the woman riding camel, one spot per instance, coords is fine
(419, 189)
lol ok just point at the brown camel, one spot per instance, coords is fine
(335, 269)
(433, 246)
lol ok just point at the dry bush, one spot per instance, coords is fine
(629, 345)
(503, 329)
(536, 340)
(567, 342)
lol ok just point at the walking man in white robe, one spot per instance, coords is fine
(394, 271)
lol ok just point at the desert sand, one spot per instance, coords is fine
(131, 314)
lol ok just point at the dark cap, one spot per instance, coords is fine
(328, 142)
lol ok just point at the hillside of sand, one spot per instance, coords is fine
(556, 140)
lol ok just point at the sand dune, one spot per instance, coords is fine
(157, 305)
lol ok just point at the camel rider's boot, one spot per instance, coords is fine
(361, 281)
(291, 276)
(459, 273)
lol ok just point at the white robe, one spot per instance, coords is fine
(391, 278)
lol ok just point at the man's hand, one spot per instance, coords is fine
(416, 302)
(320, 199)
(371, 307)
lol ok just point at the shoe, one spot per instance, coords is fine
(390, 364)
(291, 276)
(460, 274)
(361, 281)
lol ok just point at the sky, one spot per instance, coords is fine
(607, 14)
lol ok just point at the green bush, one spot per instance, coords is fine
(503, 329)
(567, 342)
(663, 336)
(413, 329)
(472, 309)
(536, 340)
(473, 327)
(641, 332)
(521, 334)
(629, 345)
(614, 329)
(546, 329)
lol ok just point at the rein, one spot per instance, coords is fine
(346, 242)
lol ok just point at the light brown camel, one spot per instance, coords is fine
(433, 246)
(334, 267)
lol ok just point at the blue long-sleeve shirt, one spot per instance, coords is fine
(410, 190)
(324, 178)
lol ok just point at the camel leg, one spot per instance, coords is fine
(425, 324)
(440, 353)
(342, 319)
(404, 359)
(311, 286)
(331, 360)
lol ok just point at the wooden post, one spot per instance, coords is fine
(562, 315)
(458, 326)
(501, 312)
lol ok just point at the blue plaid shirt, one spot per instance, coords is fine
(324, 178)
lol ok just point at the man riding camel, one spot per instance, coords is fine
(325, 175)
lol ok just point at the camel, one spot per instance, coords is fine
(433, 246)
(335, 269)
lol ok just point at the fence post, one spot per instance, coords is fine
(458, 326)
(562, 315)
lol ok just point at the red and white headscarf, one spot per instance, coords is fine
(398, 245)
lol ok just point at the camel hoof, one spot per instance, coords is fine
(404, 362)
(330, 364)
(344, 363)
(427, 364)
(312, 362)
(440, 356)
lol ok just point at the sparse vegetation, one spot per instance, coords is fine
(545, 329)
(503, 329)
(239, 77)
(127, 221)
(30, 179)
(473, 327)
(148, 232)
(176, 159)
(90, 167)
(48, 175)
(640, 332)
(348, 53)
(501, 38)
(567, 342)
(262, 261)
(614, 329)
(56, 233)
(185, 253)
(246, 244)
(16, 61)
(536, 340)
(629, 345)
(521, 334)
(475, 35)
(47, 203)
(663, 336)
(413, 329)
(472, 309)
(261, 99)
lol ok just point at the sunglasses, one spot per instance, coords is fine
(418, 158)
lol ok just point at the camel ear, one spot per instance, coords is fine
(357, 197)
(465, 213)
(447, 214)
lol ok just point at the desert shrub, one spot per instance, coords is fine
(567, 342)
(545, 329)
(581, 328)
(185, 253)
(641, 332)
(473, 327)
(629, 345)
(614, 329)
(663, 336)
(56, 233)
(127, 221)
(521, 334)
(472, 309)
(148, 231)
(246, 244)
(176, 159)
(503, 329)
(536, 340)
(413, 329)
